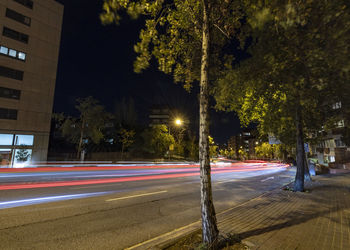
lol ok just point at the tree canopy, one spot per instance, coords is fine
(187, 39)
(299, 65)
(88, 126)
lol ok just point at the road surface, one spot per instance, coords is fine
(114, 207)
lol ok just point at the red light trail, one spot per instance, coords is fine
(234, 167)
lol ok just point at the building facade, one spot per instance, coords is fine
(332, 148)
(30, 32)
(159, 115)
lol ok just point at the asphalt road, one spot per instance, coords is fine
(116, 207)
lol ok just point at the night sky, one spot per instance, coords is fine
(97, 60)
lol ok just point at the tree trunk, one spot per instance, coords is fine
(307, 176)
(81, 139)
(209, 228)
(299, 177)
(121, 157)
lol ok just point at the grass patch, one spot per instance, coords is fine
(193, 241)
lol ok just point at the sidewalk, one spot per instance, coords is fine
(316, 219)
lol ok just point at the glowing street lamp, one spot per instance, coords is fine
(178, 122)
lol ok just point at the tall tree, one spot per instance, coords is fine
(88, 126)
(299, 65)
(186, 38)
(126, 138)
(157, 140)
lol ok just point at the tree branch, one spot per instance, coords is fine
(223, 32)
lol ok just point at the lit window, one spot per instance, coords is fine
(12, 53)
(4, 50)
(340, 124)
(27, 140)
(336, 105)
(21, 56)
(6, 139)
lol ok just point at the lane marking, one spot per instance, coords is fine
(194, 224)
(197, 223)
(224, 181)
(269, 178)
(137, 195)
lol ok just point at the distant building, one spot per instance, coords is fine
(159, 114)
(332, 149)
(29, 47)
(246, 141)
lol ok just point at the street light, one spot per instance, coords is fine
(178, 122)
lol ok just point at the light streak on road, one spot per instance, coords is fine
(24, 202)
(144, 175)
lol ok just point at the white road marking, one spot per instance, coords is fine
(137, 195)
(269, 178)
(219, 182)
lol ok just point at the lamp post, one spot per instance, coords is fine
(178, 122)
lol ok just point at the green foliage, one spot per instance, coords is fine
(126, 137)
(22, 155)
(265, 150)
(191, 145)
(157, 140)
(213, 149)
(300, 58)
(228, 153)
(88, 125)
(173, 33)
(176, 34)
(242, 154)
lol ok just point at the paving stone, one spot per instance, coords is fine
(318, 219)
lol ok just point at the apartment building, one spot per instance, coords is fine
(332, 148)
(30, 32)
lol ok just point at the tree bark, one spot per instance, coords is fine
(209, 226)
(81, 139)
(122, 151)
(307, 176)
(299, 177)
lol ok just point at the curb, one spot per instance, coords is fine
(167, 239)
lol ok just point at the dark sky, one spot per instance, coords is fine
(98, 60)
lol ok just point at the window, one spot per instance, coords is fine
(27, 3)
(10, 93)
(24, 140)
(11, 73)
(340, 124)
(336, 105)
(6, 139)
(246, 133)
(21, 56)
(15, 35)
(9, 114)
(17, 17)
(4, 50)
(12, 53)
(339, 143)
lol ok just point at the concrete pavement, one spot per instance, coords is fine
(316, 219)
